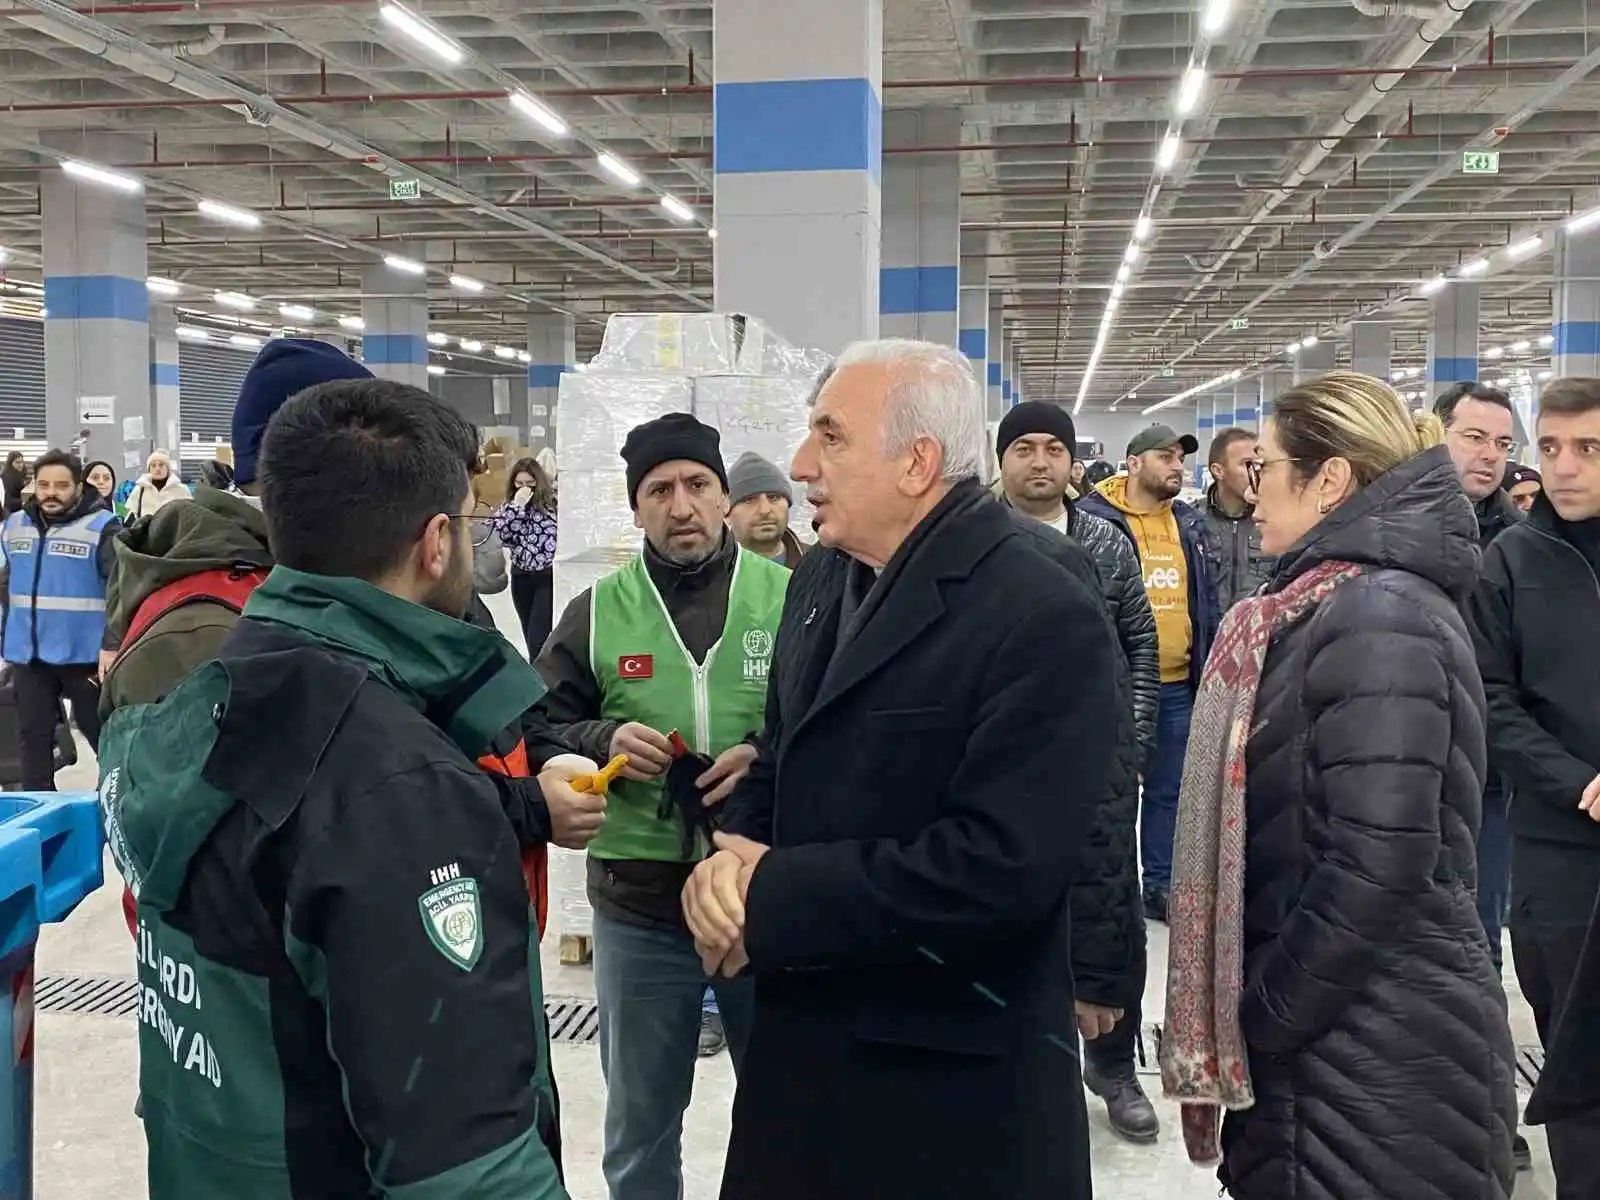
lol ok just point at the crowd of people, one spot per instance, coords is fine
(895, 806)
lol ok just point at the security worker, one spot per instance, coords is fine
(679, 641)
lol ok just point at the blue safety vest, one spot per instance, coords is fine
(56, 610)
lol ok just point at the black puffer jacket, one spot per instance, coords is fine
(1375, 1025)
(1105, 902)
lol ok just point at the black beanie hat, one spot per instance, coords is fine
(1035, 416)
(668, 439)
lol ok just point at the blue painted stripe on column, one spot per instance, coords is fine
(1266, 409)
(1204, 422)
(1454, 370)
(994, 374)
(974, 343)
(1577, 337)
(903, 290)
(797, 125)
(164, 374)
(1221, 419)
(546, 375)
(1005, 390)
(96, 298)
(1244, 416)
(391, 348)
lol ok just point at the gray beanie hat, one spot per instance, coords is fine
(753, 475)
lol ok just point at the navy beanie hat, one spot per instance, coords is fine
(285, 367)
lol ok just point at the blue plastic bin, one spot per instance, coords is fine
(49, 860)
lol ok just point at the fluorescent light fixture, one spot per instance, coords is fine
(1186, 393)
(1493, 352)
(2, 254)
(1547, 340)
(228, 214)
(1433, 286)
(438, 339)
(712, 234)
(435, 369)
(1141, 229)
(1123, 272)
(1131, 254)
(1398, 375)
(424, 34)
(504, 352)
(618, 170)
(1116, 290)
(406, 266)
(539, 114)
(248, 341)
(1168, 154)
(193, 333)
(1309, 341)
(1216, 16)
(1293, 348)
(1543, 375)
(297, 312)
(470, 346)
(1476, 267)
(1111, 305)
(677, 209)
(234, 300)
(353, 324)
(93, 174)
(156, 285)
(1524, 248)
(1583, 221)
(465, 283)
(1189, 90)
(1521, 347)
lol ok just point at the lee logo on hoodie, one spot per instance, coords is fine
(636, 666)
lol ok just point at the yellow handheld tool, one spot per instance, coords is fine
(600, 782)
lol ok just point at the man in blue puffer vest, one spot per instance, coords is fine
(57, 556)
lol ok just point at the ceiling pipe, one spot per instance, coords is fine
(1398, 8)
(1486, 137)
(104, 41)
(704, 89)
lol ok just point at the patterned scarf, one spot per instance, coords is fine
(1203, 1059)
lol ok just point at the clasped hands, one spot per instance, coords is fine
(714, 901)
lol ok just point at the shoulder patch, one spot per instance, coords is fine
(453, 917)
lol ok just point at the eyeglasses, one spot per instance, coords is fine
(478, 528)
(1255, 466)
(1477, 439)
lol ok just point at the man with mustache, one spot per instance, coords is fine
(1171, 540)
(759, 498)
(680, 641)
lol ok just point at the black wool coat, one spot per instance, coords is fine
(1375, 1024)
(926, 797)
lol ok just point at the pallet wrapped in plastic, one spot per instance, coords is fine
(700, 344)
(597, 408)
(762, 413)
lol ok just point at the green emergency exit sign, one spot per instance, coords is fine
(405, 189)
(1480, 162)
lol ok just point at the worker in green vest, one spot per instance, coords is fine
(679, 641)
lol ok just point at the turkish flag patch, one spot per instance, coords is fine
(636, 666)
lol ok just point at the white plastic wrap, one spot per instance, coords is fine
(597, 409)
(686, 342)
(761, 413)
(593, 519)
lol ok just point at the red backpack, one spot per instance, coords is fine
(231, 587)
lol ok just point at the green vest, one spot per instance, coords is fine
(646, 675)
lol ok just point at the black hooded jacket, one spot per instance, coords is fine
(1375, 1024)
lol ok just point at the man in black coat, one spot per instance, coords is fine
(941, 719)
(1533, 617)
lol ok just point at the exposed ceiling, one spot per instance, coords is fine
(1317, 178)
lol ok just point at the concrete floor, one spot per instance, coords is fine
(89, 1146)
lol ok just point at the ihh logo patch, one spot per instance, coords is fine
(757, 654)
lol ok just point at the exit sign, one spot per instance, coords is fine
(1239, 323)
(1167, 372)
(1480, 162)
(405, 189)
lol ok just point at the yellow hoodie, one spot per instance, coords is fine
(1166, 576)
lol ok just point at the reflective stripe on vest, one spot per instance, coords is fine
(57, 596)
(646, 674)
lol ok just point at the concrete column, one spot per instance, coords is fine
(1273, 384)
(1314, 360)
(1577, 306)
(1371, 344)
(996, 372)
(550, 342)
(165, 430)
(1453, 337)
(1008, 390)
(973, 338)
(919, 284)
(1247, 403)
(395, 309)
(97, 328)
(798, 120)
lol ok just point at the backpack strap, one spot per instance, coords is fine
(227, 586)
